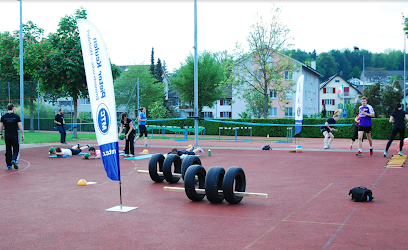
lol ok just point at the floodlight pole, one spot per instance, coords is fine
(21, 66)
(195, 76)
(405, 95)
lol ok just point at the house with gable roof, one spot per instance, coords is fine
(335, 92)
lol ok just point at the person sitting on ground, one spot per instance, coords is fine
(93, 153)
(75, 150)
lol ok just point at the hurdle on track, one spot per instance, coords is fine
(235, 129)
(289, 136)
(183, 133)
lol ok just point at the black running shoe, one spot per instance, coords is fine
(14, 163)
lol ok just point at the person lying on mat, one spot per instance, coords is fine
(188, 151)
(75, 150)
(93, 154)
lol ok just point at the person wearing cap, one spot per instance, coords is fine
(142, 125)
(11, 123)
(93, 154)
(75, 150)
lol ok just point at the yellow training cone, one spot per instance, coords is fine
(81, 182)
(145, 151)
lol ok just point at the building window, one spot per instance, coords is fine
(328, 101)
(207, 114)
(336, 80)
(65, 103)
(259, 76)
(225, 114)
(288, 94)
(190, 114)
(225, 102)
(288, 112)
(84, 101)
(273, 112)
(272, 94)
(329, 90)
(288, 75)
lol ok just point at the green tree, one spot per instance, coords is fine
(355, 73)
(210, 74)
(262, 67)
(390, 96)
(152, 62)
(126, 91)
(255, 103)
(157, 111)
(62, 70)
(326, 65)
(342, 63)
(373, 94)
(158, 71)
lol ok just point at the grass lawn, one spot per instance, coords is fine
(42, 137)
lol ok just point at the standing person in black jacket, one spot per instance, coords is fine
(11, 123)
(397, 118)
(127, 123)
(59, 120)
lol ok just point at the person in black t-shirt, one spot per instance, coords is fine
(11, 123)
(130, 134)
(397, 118)
(327, 131)
(59, 120)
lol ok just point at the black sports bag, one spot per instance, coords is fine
(361, 194)
(266, 147)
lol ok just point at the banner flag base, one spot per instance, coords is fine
(122, 209)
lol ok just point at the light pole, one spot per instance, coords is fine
(357, 49)
(21, 66)
(405, 95)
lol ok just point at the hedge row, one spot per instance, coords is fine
(381, 127)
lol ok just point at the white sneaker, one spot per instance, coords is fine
(400, 153)
(201, 150)
(130, 155)
(125, 155)
(326, 147)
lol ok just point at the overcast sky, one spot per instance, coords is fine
(131, 28)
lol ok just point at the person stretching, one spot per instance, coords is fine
(327, 131)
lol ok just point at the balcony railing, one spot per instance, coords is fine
(346, 95)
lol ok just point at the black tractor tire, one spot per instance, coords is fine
(237, 175)
(213, 183)
(168, 162)
(156, 158)
(189, 182)
(187, 162)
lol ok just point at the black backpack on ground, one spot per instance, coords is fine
(266, 147)
(361, 194)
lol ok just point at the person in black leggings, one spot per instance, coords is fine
(397, 118)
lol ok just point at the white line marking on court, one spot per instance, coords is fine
(16, 171)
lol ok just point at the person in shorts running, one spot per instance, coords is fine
(366, 113)
(327, 131)
(142, 126)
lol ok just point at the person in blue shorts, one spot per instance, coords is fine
(366, 112)
(398, 119)
(327, 131)
(142, 125)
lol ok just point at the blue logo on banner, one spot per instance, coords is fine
(110, 158)
(298, 111)
(103, 119)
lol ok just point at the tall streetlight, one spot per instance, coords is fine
(21, 66)
(357, 49)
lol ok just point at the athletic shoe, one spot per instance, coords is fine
(192, 149)
(329, 147)
(8, 167)
(125, 155)
(326, 147)
(130, 155)
(78, 146)
(351, 147)
(371, 151)
(14, 163)
(146, 145)
(88, 145)
(359, 153)
(64, 143)
(385, 154)
(400, 153)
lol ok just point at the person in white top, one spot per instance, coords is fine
(75, 150)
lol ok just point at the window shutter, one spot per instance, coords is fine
(333, 101)
(334, 90)
(324, 90)
(322, 101)
(230, 101)
(221, 114)
(229, 114)
(221, 102)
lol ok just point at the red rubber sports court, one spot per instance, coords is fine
(308, 206)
